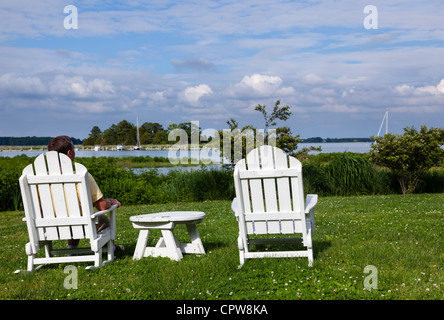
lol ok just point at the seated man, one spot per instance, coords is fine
(63, 144)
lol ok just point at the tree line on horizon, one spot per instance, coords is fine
(125, 133)
(31, 141)
(328, 140)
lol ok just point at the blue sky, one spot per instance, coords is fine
(209, 61)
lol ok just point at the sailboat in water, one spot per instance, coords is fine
(137, 146)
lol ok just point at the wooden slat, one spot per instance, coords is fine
(37, 212)
(283, 184)
(45, 198)
(297, 187)
(270, 197)
(60, 222)
(86, 205)
(54, 179)
(72, 200)
(30, 209)
(256, 191)
(264, 173)
(57, 193)
(242, 188)
(272, 216)
(267, 165)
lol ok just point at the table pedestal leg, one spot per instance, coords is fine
(141, 244)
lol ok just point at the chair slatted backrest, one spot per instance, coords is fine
(270, 192)
(56, 199)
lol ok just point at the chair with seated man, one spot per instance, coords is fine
(58, 206)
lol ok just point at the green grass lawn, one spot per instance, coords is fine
(401, 236)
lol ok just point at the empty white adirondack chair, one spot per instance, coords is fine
(58, 206)
(270, 200)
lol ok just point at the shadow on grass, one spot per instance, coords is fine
(209, 246)
(318, 247)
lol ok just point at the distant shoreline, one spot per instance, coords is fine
(156, 151)
(336, 140)
(37, 143)
(167, 146)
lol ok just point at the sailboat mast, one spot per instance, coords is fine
(137, 147)
(386, 123)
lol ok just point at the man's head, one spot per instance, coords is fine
(62, 144)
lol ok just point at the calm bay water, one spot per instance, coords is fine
(204, 155)
(359, 147)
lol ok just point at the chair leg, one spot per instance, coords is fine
(48, 249)
(31, 258)
(98, 258)
(110, 251)
(309, 248)
(240, 244)
(310, 258)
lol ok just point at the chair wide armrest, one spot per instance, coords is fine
(98, 213)
(112, 218)
(310, 203)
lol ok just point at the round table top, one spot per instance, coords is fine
(173, 216)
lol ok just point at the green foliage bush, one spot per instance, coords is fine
(10, 171)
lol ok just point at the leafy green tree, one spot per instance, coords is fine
(233, 143)
(151, 132)
(281, 113)
(186, 128)
(94, 137)
(110, 136)
(125, 133)
(282, 137)
(285, 139)
(409, 155)
(160, 137)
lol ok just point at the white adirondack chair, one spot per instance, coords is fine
(58, 206)
(270, 200)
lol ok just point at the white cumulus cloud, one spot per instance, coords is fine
(21, 85)
(259, 86)
(261, 83)
(192, 95)
(81, 88)
(405, 89)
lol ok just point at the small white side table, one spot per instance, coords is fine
(168, 245)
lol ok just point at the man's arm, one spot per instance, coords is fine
(103, 204)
